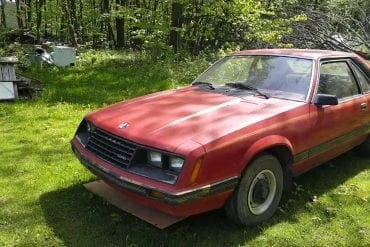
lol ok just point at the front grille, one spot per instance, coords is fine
(111, 148)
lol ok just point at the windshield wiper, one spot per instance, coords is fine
(204, 83)
(247, 87)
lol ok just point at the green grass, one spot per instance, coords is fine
(43, 202)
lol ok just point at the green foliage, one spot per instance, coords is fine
(157, 27)
(205, 25)
(17, 50)
(8, 35)
(234, 24)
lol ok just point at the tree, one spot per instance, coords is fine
(198, 25)
(39, 6)
(68, 18)
(3, 16)
(176, 24)
(120, 25)
(19, 14)
(337, 24)
(28, 13)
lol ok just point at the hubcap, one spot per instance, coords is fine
(261, 192)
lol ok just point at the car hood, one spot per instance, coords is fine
(168, 119)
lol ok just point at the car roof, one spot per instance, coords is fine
(304, 53)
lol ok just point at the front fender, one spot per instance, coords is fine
(264, 144)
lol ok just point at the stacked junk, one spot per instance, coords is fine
(13, 85)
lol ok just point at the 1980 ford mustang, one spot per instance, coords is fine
(236, 136)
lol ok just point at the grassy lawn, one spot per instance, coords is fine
(43, 202)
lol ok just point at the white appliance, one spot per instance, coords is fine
(63, 56)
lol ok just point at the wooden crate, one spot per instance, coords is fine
(7, 68)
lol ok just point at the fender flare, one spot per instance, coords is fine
(264, 144)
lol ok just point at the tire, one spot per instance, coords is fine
(364, 148)
(259, 192)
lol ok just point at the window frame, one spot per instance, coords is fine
(348, 62)
(354, 67)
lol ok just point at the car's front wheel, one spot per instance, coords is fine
(259, 192)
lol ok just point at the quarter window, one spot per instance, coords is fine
(336, 79)
(365, 83)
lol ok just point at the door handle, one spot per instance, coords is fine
(363, 106)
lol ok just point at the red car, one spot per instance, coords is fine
(236, 136)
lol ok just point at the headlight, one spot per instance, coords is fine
(164, 161)
(176, 163)
(155, 159)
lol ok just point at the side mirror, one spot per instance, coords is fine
(325, 99)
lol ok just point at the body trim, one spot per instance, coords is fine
(326, 146)
(168, 197)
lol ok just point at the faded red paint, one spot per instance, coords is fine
(228, 132)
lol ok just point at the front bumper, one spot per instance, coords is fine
(186, 196)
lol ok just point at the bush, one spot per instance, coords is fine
(9, 35)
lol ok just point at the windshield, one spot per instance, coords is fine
(279, 76)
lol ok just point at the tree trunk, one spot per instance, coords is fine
(39, 4)
(94, 34)
(176, 23)
(28, 13)
(71, 32)
(120, 27)
(105, 24)
(74, 20)
(19, 16)
(3, 17)
(110, 35)
(155, 6)
(80, 23)
(45, 20)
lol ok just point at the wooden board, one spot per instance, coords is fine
(154, 217)
(7, 72)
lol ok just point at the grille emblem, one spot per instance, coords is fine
(122, 157)
(123, 125)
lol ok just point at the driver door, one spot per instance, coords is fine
(337, 128)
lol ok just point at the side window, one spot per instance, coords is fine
(336, 78)
(365, 83)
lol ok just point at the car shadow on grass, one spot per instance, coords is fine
(80, 218)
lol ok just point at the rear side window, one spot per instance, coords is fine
(336, 79)
(363, 80)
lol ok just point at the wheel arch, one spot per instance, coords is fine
(275, 145)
